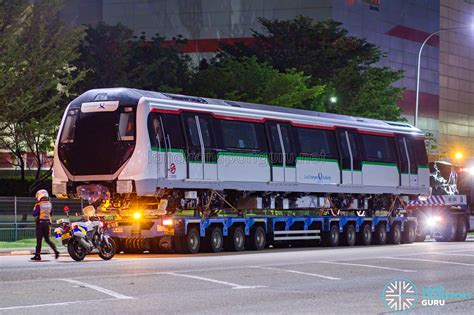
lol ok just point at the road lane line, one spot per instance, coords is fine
(430, 260)
(8, 308)
(452, 254)
(363, 265)
(299, 272)
(97, 288)
(233, 285)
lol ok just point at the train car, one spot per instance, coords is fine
(165, 153)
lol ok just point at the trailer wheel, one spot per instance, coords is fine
(449, 233)
(420, 233)
(214, 242)
(395, 235)
(409, 235)
(380, 235)
(257, 239)
(331, 238)
(349, 235)
(236, 240)
(365, 235)
(461, 235)
(191, 242)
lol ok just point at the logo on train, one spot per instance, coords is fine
(172, 168)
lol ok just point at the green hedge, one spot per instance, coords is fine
(13, 186)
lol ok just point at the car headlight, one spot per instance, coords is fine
(432, 221)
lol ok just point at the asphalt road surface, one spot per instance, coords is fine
(283, 281)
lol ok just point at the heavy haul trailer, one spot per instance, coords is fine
(191, 234)
(158, 155)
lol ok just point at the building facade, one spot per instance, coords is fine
(397, 27)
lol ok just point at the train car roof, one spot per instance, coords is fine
(130, 96)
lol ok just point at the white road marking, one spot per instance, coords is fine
(97, 288)
(7, 308)
(233, 285)
(363, 265)
(430, 260)
(452, 254)
(299, 272)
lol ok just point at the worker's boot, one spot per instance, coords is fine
(56, 254)
(36, 257)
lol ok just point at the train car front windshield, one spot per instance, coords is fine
(94, 143)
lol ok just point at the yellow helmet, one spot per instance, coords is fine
(42, 193)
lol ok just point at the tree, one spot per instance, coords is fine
(36, 76)
(115, 58)
(250, 81)
(324, 51)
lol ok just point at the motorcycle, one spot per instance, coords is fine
(82, 237)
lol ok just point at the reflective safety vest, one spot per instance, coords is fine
(45, 210)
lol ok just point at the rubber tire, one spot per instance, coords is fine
(235, 241)
(409, 234)
(155, 245)
(365, 235)
(395, 235)
(450, 232)
(113, 251)
(72, 251)
(191, 243)
(332, 238)
(214, 241)
(462, 231)
(350, 235)
(257, 239)
(380, 235)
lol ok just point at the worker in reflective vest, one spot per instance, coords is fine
(43, 212)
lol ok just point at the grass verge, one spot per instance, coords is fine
(27, 243)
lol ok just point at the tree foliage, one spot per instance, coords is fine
(324, 51)
(251, 81)
(36, 75)
(115, 58)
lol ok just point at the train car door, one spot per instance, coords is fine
(351, 161)
(200, 147)
(408, 167)
(158, 144)
(282, 152)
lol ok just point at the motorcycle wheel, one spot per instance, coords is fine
(76, 250)
(107, 251)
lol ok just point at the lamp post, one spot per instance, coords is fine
(419, 64)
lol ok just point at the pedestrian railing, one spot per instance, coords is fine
(16, 216)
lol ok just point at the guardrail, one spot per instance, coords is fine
(16, 216)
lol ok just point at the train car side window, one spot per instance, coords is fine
(403, 155)
(126, 128)
(379, 148)
(420, 152)
(206, 129)
(411, 155)
(239, 135)
(192, 131)
(69, 129)
(205, 126)
(173, 130)
(317, 143)
(155, 131)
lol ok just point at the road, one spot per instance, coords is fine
(282, 281)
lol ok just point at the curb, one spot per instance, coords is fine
(28, 251)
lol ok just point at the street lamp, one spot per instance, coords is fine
(333, 99)
(419, 63)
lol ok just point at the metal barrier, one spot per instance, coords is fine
(16, 216)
